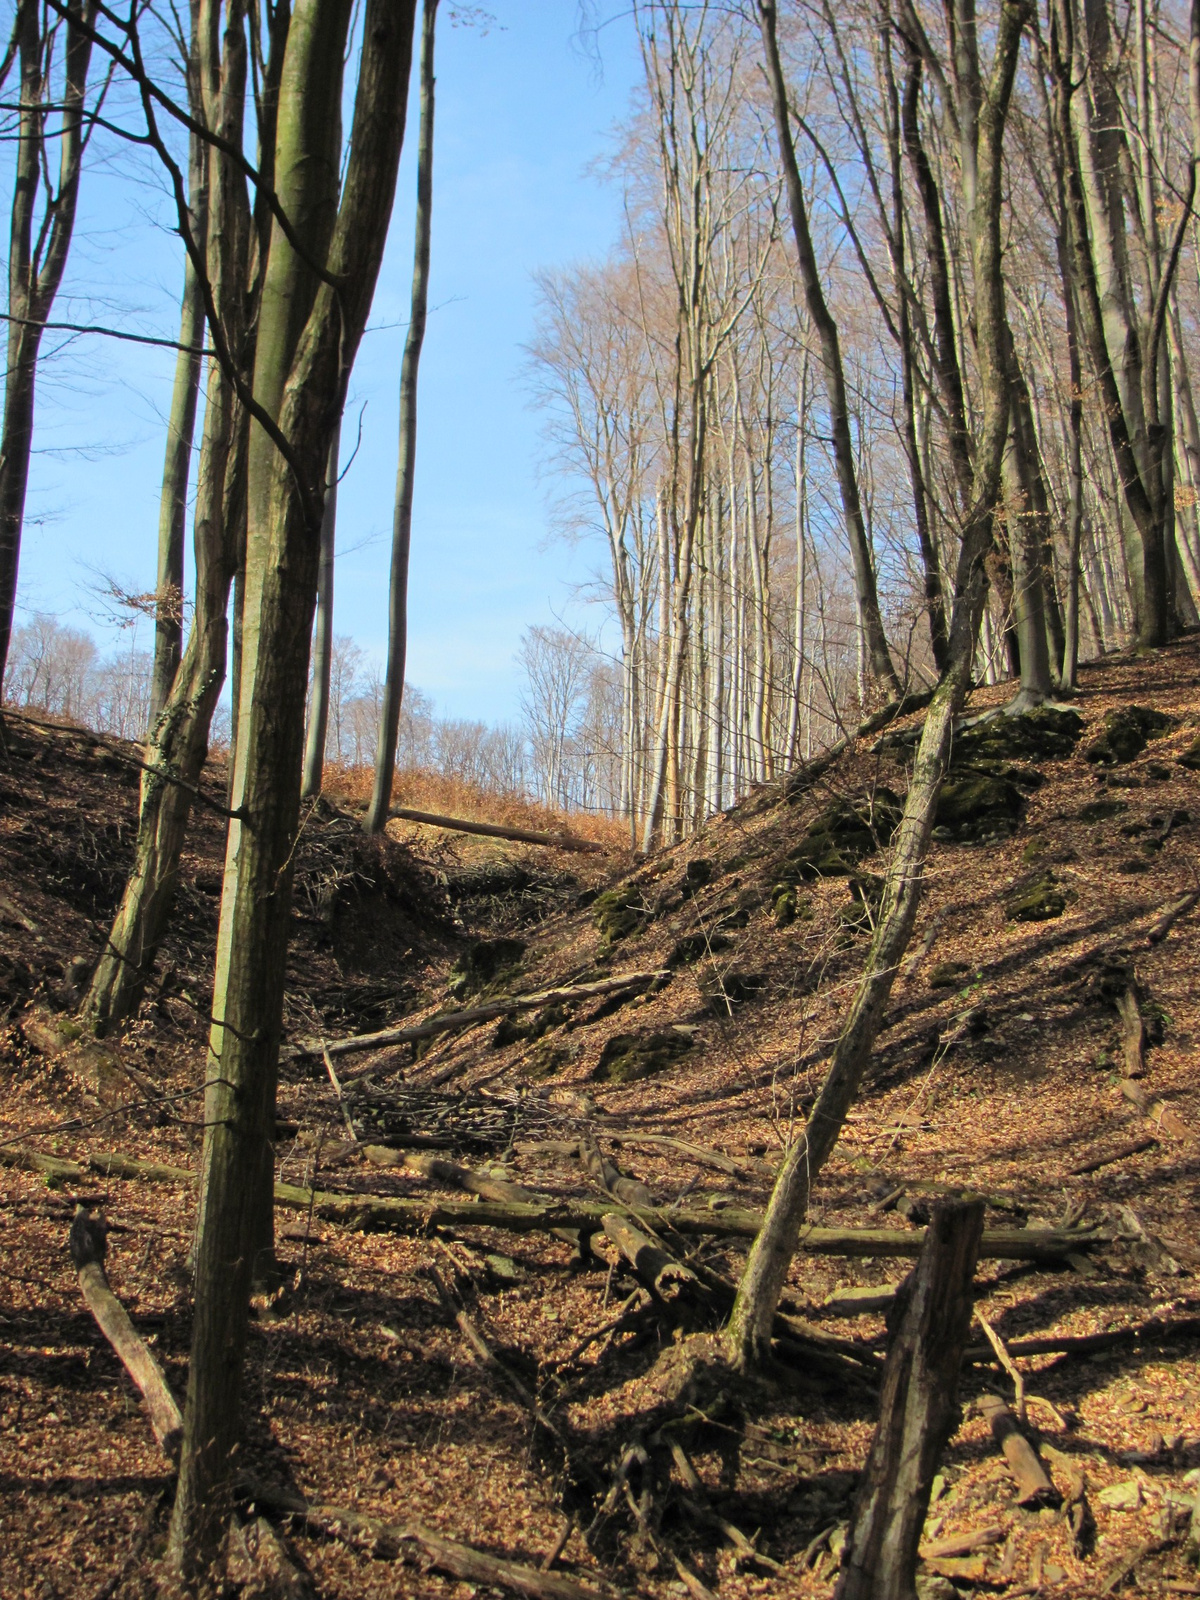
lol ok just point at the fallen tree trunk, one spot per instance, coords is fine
(366, 1211)
(1133, 1034)
(1085, 1343)
(1159, 930)
(1134, 1148)
(1033, 1482)
(627, 1190)
(390, 1539)
(88, 1245)
(498, 830)
(447, 1021)
(656, 1267)
(918, 1410)
(1157, 1112)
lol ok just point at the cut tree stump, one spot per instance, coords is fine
(1033, 1482)
(918, 1409)
(88, 1245)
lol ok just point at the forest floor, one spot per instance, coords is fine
(999, 1070)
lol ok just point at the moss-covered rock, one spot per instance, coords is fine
(484, 963)
(513, 1030)
(978, 805)
(724, 991)
(1127, 731)
(626, 1057)
(787, 906)
(1101, 810)
(547, 1059)
(617, 913)
(949, 974)
(1046, 733)
(1191, 756)
(1035, 899)
(694, 946)
(696, 874)
(840, 836)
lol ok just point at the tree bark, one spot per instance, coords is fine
(318, 707)
(918, 1409)
(406, 470)
(309, 330)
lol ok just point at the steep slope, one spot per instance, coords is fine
(1000, 1068)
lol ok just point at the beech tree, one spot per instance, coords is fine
(318, 283)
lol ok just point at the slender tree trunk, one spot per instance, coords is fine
(308, 336)
(181, 421)
(871, 621)
(322, 652)
(393, 686)
(748, 1337)
(36, 261)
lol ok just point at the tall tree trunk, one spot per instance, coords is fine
(748, 1337)
(308, 336)
(871, 621)
(181, 421)
(36, 261)
(322, 652)
(393, 686)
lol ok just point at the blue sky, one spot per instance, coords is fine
(522, 115)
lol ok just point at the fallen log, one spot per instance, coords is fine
(1033, 1481)
(365, 1211)
(1157, 1112)
(498, 830)
(88, 1244)
(391, 1540)
(448, 1021)
(962, 1544)
(656, 1267)
(1133, 1034)
(627, 1190)
(1159, 930)
(1134, 1148)
(1085, 1343)
(918, 1409)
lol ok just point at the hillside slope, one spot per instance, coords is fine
(999, 1068)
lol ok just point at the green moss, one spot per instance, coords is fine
(840, 836)
(1047, 733)
(546, 1060)
(976, 805)
(1127, 730)
(1033, 851)
(1191, 756)
(512, 1030)
(1036, 899)
(484, 963)
(618, 913)
(788, 906)
(626, 1057)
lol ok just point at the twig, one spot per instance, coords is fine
(1006, 1361)
(337, 1089)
